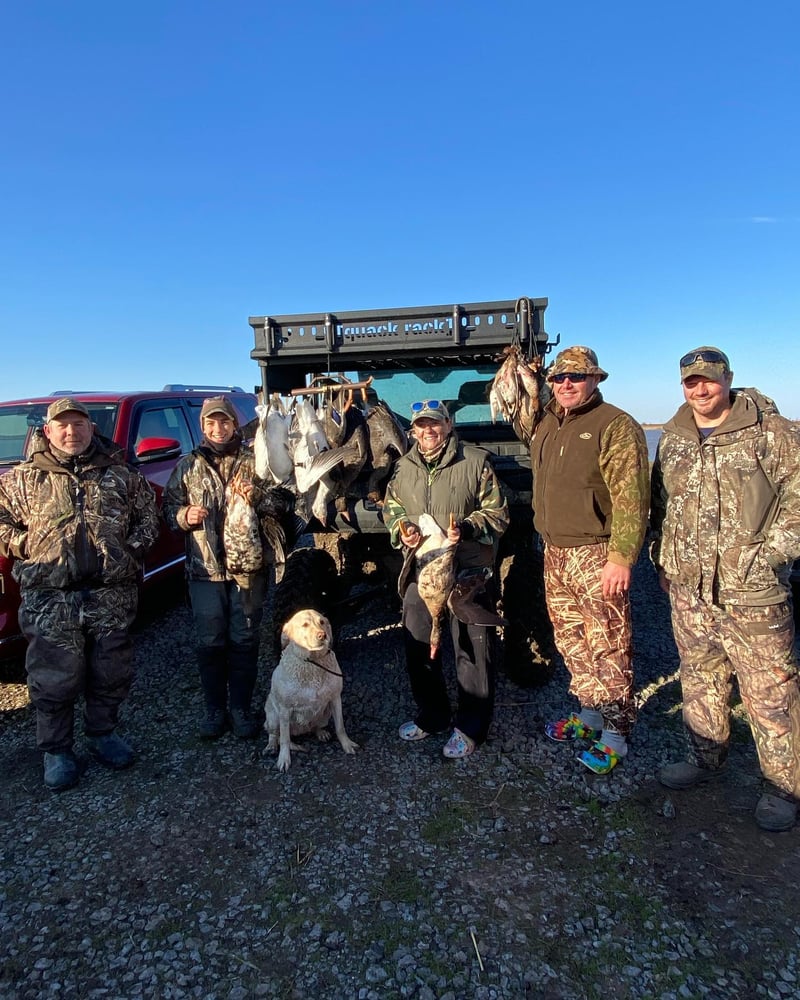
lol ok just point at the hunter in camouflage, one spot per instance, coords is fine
(231, 521)
(77, 521)
(726, 530)
(590, 501)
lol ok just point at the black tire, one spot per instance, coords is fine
(309, 580)
(364, 559)
(529, 648)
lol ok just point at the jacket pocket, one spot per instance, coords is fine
(759, 503)
(751, 569)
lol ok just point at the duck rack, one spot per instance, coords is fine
(290, 348)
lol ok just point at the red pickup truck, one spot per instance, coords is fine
(153, 428)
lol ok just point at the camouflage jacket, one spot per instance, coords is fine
(591, 479)
(84, 522)
(462, 483)
(726, 508)
(241, 533)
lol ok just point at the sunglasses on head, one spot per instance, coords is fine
(427, 404)
(572, 376)
(710, 357)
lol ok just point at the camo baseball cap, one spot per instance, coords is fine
(218, 404)
(66, 405)
(433, 409)
(708, 361)
(576, 359)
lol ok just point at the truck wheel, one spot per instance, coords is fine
(309, 580)
(529, 648)
(365, 559)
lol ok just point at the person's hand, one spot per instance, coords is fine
(616, 580)
(196, 515)
(453, 530)
(409, 534)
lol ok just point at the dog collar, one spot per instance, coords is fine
(336, 673)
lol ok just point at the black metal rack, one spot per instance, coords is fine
(288, 348)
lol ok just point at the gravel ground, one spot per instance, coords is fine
(203, 872)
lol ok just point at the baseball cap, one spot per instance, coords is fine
(433, 409)
(576, 359)
(66, 405)
(218, 404)
(708, 361)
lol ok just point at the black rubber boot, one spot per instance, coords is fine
(242, 676)
(213, 667)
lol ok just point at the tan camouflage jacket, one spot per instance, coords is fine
(591, 479)
(462, 483)
(86, 522)
(725, 509)
(241, 532)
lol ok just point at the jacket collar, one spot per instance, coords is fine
(447, 456)
(744, 413)
(560, 413)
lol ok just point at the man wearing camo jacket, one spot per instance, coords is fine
(590, 499)
(78, 521)
(726, 525)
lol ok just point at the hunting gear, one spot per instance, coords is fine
(231, 521)
(726, 530)
(77, 521)
(590, 502)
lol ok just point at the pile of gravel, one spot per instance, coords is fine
(203, 872)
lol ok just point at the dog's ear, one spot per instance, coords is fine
(285, 637)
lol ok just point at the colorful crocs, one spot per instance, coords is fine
(600, 758)
(410, 732)
(459, 745)
(570, 729)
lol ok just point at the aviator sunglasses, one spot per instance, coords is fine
(427, 404)
(710, 357)
(572, 376)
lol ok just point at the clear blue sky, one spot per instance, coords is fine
(170, 168)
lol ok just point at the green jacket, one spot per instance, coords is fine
(725, 509)
(462, 483)
(84, 521)
(591, 479)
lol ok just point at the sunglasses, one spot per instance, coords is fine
(572, 376)
(710, 357)
(427, 404)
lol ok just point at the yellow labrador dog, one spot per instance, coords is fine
(306, 687)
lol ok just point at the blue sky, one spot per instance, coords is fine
(169, 169)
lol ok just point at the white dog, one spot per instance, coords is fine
(306, 687)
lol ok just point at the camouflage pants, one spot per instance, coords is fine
(756, 644)
(592, 633)
(78, 643)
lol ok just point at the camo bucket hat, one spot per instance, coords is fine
(576, 359)
(708, 361)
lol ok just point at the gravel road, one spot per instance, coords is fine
(203, 872)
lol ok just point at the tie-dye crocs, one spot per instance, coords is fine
(600, 758)
(570, 729)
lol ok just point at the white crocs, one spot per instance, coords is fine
(410, 732)
(459, 745)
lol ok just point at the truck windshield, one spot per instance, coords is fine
(18, 422)
(464, 391)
